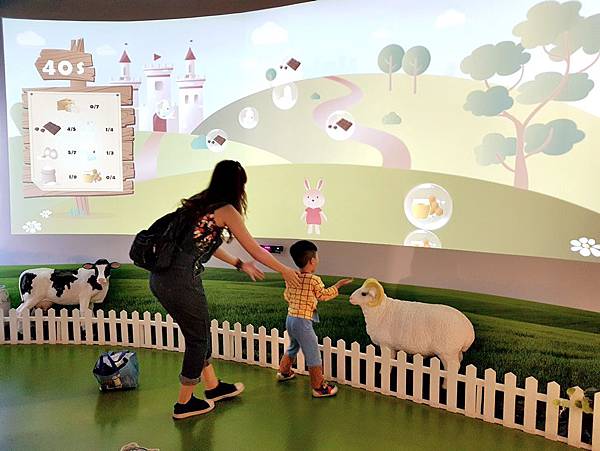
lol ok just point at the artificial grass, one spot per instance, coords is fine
(551, 343)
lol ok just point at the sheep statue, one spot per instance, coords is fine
(414, 327)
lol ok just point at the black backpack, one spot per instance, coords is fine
(154, 249)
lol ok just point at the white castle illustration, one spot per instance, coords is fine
(159, 113)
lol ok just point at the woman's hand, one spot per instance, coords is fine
(253, 271)
(291, 276)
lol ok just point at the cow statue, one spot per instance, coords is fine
(43, 287)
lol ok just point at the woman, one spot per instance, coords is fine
(218, 208)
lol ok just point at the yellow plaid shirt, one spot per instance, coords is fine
(302, 301)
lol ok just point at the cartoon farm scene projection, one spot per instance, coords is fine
(454, 136)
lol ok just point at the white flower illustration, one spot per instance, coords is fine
(32, 227)
(586, 247)
(45, 214)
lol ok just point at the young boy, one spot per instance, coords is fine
(302, 312)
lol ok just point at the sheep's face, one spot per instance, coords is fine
(369, 295)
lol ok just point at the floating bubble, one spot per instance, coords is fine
(285, 96)
(428, 206)
(216, 140)
(340, 125)
(422, 238)
(248, 117)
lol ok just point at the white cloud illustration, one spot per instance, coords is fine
(105, 50)
(381, 34)
(268, 34)
(450, 18)
(30, 39)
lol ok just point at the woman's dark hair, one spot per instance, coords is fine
(302, 251)
(227, 186)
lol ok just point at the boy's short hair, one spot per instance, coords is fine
(302, 251)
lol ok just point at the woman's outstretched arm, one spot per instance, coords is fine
(232, 219)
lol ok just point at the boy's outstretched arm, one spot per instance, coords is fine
(324, 294)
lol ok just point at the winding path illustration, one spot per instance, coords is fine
(146, 164)
(394, 152)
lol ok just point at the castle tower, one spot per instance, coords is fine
(191, 101)
(125, 78)
(160, 114)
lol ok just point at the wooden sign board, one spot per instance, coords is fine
(78, 140)
(55, 64)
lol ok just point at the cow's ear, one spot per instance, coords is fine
(115, 265)
(88, 266)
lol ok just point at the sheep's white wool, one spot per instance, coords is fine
(416, 327)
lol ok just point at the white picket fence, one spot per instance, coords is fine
(383, 373)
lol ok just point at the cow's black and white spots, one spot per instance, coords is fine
(87, 285)
(26, 282)
(62, 279)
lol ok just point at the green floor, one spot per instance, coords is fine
(49, 400)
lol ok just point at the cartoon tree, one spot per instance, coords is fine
(390, 60)
(270, 74)
(557, 31)
(415, 62)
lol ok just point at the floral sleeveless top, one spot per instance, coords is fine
(207, 236)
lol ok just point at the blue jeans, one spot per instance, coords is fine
(302, 336)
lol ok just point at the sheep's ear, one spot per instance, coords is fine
(306, 184)
(373, 292)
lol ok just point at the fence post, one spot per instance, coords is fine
(39, 326)
(401, 375)
(237, 343)
(64, 326)
(510, 393)
(551, 426)
(13, 326)
(370, 368)
(87, 324)
(596, 425)
(471, 391)
(434, 382)
(214, 335)
(575, 419)
(51, 326)
(262, 346)
(124, 327)
(531, 392)
(26, 326)
(250, 344)
(417, 395)
(489, 400)
(451, 388)
(384, 370)
(76, 327)
(341, 361)
(355, 359)
(135, 329)
(100, 325)
(112, 327)
(327, 373)
(158, 330)
(274, 348)
(227, 351)
(147, 336)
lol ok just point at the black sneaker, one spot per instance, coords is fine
(224, 390)
(193, 407)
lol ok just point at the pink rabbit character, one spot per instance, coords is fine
(314, 201)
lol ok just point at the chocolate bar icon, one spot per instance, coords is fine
(293, 63)
(345, 124)
(52, 128)
(220, 140)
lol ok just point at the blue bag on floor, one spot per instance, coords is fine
(117, 370)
